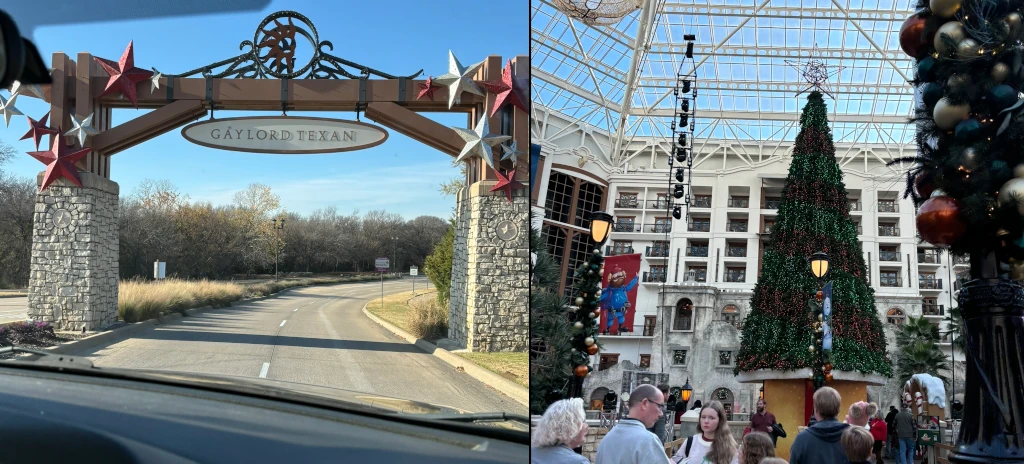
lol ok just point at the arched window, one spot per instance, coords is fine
(731, 314)
(683, 319)
(597, 398)
(895, 316)
(724, 396)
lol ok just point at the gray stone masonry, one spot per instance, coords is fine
(490, 268)
(74, 268)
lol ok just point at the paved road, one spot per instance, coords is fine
(13, 309)
(313, 335)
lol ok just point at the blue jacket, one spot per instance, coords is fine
(615, 298)
(819, 443)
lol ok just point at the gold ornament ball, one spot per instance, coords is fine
(579, 301)
(1000, 72)
(948, 115)
(810, 348)
(592, 350)
(588, 341)
(820, 318)
(578, 325)
(968, 48)
(828, 377)
(1013, 21)
(1018, 170)
(1013, 188)
(954, 30)
(944, 8)
(591, 315)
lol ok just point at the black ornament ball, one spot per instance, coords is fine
(968, 130)
(931, 94)
(970, 158)
(1000, 172)
(926, 69)
(1001, 97)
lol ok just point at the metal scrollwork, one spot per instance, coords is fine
(272, 54)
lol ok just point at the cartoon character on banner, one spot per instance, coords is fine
(615, 298)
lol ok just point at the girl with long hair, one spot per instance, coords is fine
(756, 446)
(714, 444)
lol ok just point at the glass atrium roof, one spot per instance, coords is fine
(746, 90)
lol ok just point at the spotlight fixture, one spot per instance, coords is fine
(680, 155)
(682, 139)
(680, 174)
(689, 49)
(678, 192)
(686, 86)
(683, 121)
(689, 36)
(685, 105)
(677, 212)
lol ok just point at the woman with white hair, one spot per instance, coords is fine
(562, 428)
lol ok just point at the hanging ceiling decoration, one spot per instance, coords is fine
(598, 12)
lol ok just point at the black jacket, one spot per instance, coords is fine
(819, 443)
(890, 421)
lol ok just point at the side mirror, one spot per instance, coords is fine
(19, 58)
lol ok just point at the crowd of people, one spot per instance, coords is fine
(640, 437)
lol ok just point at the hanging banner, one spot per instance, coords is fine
(618, 293)
(534, 161)
(826, 311)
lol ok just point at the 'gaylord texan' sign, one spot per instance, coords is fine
(284, 134)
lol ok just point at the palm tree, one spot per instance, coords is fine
(955, 325)
(920, 354)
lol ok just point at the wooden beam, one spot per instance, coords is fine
(148, 126)
(416, 126)
(303, 94)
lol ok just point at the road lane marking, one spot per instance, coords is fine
(263, 372)
(282, 322)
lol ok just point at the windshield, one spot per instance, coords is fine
(288, 187)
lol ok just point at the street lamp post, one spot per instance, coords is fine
(686, 393)
(822, 372)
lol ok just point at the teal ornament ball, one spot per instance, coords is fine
(1001, 97)
(926, 69)
(968, 130)
(1000, 172)
(931, 94)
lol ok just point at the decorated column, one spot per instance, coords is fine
(968, 181)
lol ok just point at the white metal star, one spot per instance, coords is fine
(81, 128)
(816, 72)
(31, 90)
(459, 79)
(510, 152)
(479, 142)
(7, 106)
(154, 82)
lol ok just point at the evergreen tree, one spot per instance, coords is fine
(814, 215)
(550, 331)
(439, 265)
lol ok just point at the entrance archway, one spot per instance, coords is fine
(74, 278)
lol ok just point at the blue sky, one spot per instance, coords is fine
(397, 37)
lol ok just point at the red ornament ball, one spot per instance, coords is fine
(818, 296)
(581, 371)
(912, 38)
(923, 184)
(939, 221)
(592, 349)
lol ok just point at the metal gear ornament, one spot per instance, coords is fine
(37, 129)
(124, 76)
(8, 108)
(459, 79)
(81, 128)
(509, 90)
(479, 142)
(59, 162)
(816, 72)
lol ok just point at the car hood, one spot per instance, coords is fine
(290, 390)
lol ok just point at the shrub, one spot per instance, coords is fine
(429, 319)
(26, 333)
(439, 265)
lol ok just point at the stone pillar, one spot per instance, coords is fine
(489, 302)
(74, 278)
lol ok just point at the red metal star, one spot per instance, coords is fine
(507, 182)
(427, 89)
(59, 163)
(124, 75)
(509, 89)
(37, 129)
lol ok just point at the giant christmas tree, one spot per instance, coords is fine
(780, 332)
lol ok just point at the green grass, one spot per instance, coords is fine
(512, 366)
(140, 300)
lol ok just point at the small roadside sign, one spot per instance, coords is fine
(159, 270)
(383, 265)
(414, 271)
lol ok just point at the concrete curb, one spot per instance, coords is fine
(503, 385)
(125, 332)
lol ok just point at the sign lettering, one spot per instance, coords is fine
(284, 134)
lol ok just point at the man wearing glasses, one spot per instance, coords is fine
(629, 441)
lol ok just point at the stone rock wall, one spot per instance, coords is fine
(74, 268)
(490, 289)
